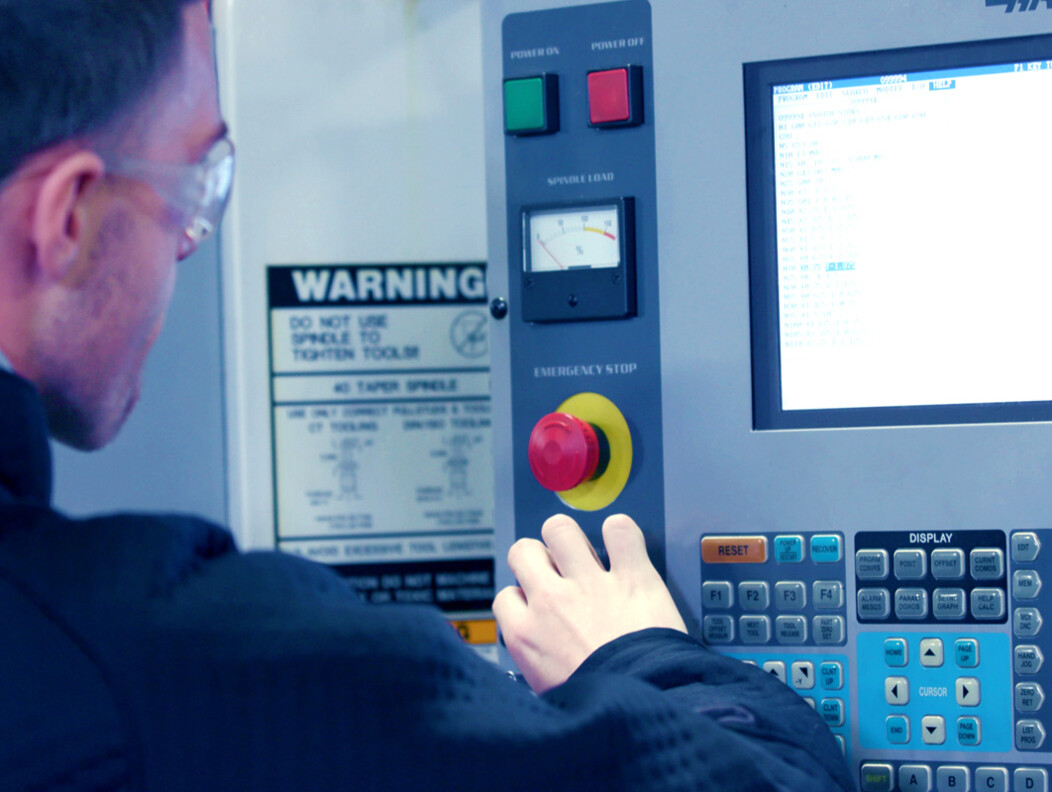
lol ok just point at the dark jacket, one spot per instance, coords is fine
(145, 652)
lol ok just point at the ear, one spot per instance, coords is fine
(60, 212)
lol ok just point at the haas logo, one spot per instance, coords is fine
(1019, 5)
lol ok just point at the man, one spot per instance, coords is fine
(144, 652)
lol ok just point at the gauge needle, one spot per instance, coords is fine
(541, 242)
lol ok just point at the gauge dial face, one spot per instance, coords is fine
(584, 237)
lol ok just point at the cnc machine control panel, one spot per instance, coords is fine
(775, 284)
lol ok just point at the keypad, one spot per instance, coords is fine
(784, 589)
(882, 776)
(934, 577)
(949, 655)
(942, 691)
(821, 679)
(1031, 644)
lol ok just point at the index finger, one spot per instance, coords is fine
(626, 546)
(571, 552)
(531, 564)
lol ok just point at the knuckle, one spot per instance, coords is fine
(506, 597)
(554, 530)
(524, 548)
(556, 527)
(520, 549)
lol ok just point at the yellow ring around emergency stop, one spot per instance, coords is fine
(602, 491)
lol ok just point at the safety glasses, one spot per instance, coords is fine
(196, 194)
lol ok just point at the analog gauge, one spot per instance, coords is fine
(580, 238)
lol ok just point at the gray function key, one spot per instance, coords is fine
(911, 603)
(755, 629)
(1029, 696)
(716, 594)
(718, 629)
(1026, 583)
(874, 603)
(910, 563)
(1025, 547)
(1027, 659)
(991, 779)
(828, 629)
(1029, 735)
(790, 595)
(828, 594)
(754, 595)
(915, 778)
(1026, 622)
(871, 564)
(951, 778)
(791, 629)
(988, 603)
(987, 563)
(947, 563)
(1030, 779)
(948, 603)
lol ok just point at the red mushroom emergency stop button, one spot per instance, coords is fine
(565, 451)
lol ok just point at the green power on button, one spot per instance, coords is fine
(526, 106)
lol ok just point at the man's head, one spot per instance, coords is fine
(108, 150)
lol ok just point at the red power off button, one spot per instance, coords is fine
(615, 97)
(565, 451)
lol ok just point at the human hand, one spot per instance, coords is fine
(567, 604)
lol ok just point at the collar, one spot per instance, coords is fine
(5, 364)
(25, 453)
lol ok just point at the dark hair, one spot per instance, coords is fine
(70, 68)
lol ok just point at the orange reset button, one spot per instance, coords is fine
(734, 549)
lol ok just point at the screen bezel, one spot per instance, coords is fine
(759, 79)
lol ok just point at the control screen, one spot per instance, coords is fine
(899, 250)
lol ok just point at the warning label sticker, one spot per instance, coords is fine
(381, 415)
